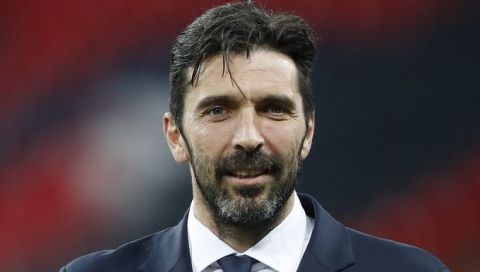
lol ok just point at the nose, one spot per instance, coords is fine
(247, 135)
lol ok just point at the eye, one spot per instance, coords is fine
(216, 111)
(277, 110)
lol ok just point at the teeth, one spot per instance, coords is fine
(246, 174)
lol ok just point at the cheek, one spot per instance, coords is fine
(211, 139)
(282, 137)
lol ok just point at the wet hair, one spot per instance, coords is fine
(239, 28)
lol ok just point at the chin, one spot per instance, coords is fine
(250, 191)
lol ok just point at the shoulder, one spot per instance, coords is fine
(377, 254)
(127, 257)
(335, 245)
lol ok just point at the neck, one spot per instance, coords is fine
(240, 238)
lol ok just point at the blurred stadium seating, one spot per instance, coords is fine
(84, 84)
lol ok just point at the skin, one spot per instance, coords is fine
(218, 121)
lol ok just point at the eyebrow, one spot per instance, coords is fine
(277, 99)
(230, 101)
(216, 100)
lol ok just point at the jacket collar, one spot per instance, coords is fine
(329, 248)
(169, 250)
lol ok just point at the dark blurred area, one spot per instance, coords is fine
(84, 84)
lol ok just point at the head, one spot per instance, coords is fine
(239, 28)
(242, 110)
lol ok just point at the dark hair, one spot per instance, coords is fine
(240, 28)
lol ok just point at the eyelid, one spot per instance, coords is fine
(283, 108)
(208, 111)
(267, 107)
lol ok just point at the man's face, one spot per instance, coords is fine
(245, 136)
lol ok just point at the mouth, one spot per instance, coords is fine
(244, 174)
(248, 177)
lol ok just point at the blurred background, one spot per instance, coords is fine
(84, 84)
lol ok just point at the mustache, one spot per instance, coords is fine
(248, 161)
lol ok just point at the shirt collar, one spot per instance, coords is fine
(274, 250)
(205, 247)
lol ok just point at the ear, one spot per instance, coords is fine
(307, 142)
(175, 140)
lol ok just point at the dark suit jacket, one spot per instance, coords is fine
(332, 247)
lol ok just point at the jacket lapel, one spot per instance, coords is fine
(170, 251)
(329, 248)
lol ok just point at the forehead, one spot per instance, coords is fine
(264, 73)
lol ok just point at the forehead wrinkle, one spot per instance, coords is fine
(208, 67)
(238, 74)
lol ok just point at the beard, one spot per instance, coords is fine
(246, 205)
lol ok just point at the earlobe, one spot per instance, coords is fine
(175, 141)
(307, 142)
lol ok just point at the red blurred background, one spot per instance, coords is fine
(83, 86)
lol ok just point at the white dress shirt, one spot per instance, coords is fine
(281, 250)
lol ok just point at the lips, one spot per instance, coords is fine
(248, 178)
(246, 174)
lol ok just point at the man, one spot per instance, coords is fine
(242, 116)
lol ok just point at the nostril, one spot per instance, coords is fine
(249, 148)
(257, 148)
